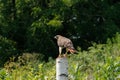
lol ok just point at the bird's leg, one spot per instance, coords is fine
(66, 52)
(60, 51)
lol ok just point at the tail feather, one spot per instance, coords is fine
(72, 50)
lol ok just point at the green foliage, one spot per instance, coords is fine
(55, 23)
(2, 74)
(32, 24)
(28, 66)
(7, 49)
(100, 62)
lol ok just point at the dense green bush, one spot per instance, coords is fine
(32, 24)
(100, 62)
(7, 49)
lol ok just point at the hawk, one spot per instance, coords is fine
(64, 42)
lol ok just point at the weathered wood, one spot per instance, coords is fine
(61, 68)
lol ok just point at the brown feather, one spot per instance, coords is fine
(65, 43)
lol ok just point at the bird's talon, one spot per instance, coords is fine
(65, 55)
(60, 55)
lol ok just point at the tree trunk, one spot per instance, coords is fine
(61, 68)
(13, 10)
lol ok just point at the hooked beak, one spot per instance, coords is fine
(55, 37)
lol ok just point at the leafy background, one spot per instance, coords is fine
(27, 28)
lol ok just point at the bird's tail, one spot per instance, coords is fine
(72, 50)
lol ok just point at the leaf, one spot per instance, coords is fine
(55, 23)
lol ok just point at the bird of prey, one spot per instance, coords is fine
(64, 42)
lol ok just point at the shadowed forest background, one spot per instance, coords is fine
(28, 48)
(28, 26)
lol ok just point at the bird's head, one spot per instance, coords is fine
(57, 36)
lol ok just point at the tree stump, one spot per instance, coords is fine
(62, 68)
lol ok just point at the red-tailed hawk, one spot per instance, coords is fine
(64, 42)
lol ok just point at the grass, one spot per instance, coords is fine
(100, 62)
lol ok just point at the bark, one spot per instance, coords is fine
(61, 68)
